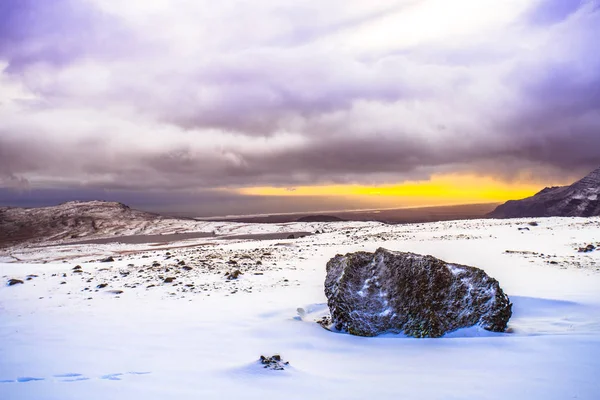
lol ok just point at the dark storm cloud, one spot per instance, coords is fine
(101, 95)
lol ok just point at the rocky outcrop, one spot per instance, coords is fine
(76, 220)
(421, 296)
(275, 362)
(581, 199)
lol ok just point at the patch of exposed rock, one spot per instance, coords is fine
(232, 275)
(421, 296)
(275, 362)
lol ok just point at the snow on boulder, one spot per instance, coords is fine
(421, 296)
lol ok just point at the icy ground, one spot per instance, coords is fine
(66, 334)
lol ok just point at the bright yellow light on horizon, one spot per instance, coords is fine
(439, 190)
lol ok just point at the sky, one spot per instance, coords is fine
(236, 107)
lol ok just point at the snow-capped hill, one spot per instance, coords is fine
(74, 219)
(581, 199)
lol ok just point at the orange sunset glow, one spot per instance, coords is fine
(439, 190)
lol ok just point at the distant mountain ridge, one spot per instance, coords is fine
(320, 218)
(581, 199)
(75, 219)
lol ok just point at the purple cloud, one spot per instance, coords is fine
(127, 96)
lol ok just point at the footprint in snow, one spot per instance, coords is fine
(73, 377)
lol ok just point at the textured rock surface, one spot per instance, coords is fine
(275, 362)
(581, 199)
(421, 296)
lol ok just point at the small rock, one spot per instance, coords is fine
(12, 282)
(588, 249)
(108, 259)
(233, 275)
(102, 285)
(325, 322)
(169, 279)
(274, 362)
(291, 237)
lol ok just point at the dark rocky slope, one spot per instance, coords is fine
(72, 220)
(373, 293)
(581, 199)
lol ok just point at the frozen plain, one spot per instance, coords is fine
(159, 340)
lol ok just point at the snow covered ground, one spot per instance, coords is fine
(200, 335)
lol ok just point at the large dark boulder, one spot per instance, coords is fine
(421, 296)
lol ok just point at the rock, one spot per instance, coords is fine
(372, 293)
(291, 237)
(587, 249)
(114, 291)
(325, 321)
(107, 259)
(102, 285)
(233, 274)
(12, 282)
(274, 362)
(169, 279)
